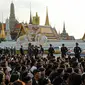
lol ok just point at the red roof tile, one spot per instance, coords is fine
(18, 25)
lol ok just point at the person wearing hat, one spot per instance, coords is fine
(77, 51)
(21, 50)
(35, 79)
(63, 51)
(42, 70)
(36, 51)
(41, 51)
(29, 51)
(51, 51)
(41, 80)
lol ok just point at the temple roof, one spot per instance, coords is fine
(83, 38)
(46, 30)
(3, 25)
(16, 26)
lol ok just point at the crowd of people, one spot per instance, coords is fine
(34, 69)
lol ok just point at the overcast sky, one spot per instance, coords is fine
(72, 12)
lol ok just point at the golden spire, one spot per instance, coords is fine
(83, 38)
(47, 18)
(2, 35)
(36, 14)
(36, 19)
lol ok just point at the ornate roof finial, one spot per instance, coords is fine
(64, 31)
(12, 10)
(2, 17)
(47, 18)
(30, 21)
(36, 14)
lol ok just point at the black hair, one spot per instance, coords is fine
(66, 76)
(14, 76)
(76, 70)
(25, 77)
(74, 79)
(1, 77)
(69, 70)
(60, 70)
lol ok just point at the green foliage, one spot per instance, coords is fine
(1, 39)
(18, 51)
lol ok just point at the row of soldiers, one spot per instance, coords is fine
(77, 51)
(7, 50)
(37, 50)
(33, 50)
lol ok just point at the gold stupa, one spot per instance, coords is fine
(2, 34)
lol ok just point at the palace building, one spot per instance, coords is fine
(12, 29)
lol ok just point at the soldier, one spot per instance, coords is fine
(14, 50)
(0, 50)
(77, 51)
(6, 50)
(63, 51)
(51, 50)
(32, 48)
(11, 51)
(36, 51)
(41, 51)
(21, 50)
(29, 50)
